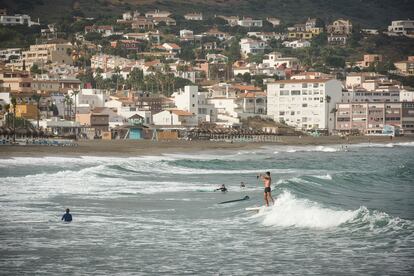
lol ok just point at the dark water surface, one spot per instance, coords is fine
(336, 213)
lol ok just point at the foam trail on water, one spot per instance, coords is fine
(325, 177)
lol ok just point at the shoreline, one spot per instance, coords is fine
(131, 148)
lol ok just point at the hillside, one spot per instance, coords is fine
(368, 13)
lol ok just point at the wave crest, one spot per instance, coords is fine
(290, 211)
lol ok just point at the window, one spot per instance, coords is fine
(304, 85)
(304, 105)
(284, 92)
(295, 92)
(282, 85)
(315, 85)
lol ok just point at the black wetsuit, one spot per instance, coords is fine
(67, 217)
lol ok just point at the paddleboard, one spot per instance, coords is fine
(235, 200)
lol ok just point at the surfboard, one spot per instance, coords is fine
(235, 200)
(257, 208)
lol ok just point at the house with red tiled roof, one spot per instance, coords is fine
(216, 33)
(172, 48)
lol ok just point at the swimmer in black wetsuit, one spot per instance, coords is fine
(222, 188)
(67, 217)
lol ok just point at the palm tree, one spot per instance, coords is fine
(37, 99)
(7, 109)
(68, 102)
(328, 100)
(14, 103)
(334, 110)
(75, 93)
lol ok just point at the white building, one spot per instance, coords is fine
(91, 98)
(304, 104)
(406, 95)
(377, 95)
(175, 117)
(297, 44)
(274, 21)
(186, 35)
(127, 112)
(275, 59)
(195, 102)
(252, 46)
(157, 14)
(17, 19)
(106, 62)
(267, 36)
(6, 54)
(401, 27)
(249, 22)
(194, 16)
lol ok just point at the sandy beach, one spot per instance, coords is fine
(146, 147)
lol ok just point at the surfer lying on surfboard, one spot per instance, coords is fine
(267, 181)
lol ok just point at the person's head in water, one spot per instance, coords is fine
(67, 210)
(268, 173)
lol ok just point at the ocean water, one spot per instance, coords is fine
(336, 213)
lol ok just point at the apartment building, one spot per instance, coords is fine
(195, 102)
(48, 53)
(405, 67)
(401, 27)
(17, 19)
(16, 81)
(304, 104)
(373, 118)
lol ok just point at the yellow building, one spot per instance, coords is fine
(27, 111)
(301, 35)
(44, 53)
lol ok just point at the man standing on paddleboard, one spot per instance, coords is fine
(267, 180)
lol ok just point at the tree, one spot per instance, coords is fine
(233, 52)
(14, 103)
(136, 79)
(74, 94)
(93, 36)
(246, 77)
(37, 99)
(187, 54)
(7, 109)
(328, 100)
(35, 69)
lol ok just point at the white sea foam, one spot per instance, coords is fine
(290, 211)
(325, 177)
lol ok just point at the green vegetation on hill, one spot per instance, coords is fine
(369, 13)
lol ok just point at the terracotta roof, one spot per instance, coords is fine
(302, 81)
(252, 95)
(180, 112)
(173, 45)
(152, 63)
(247, 87)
